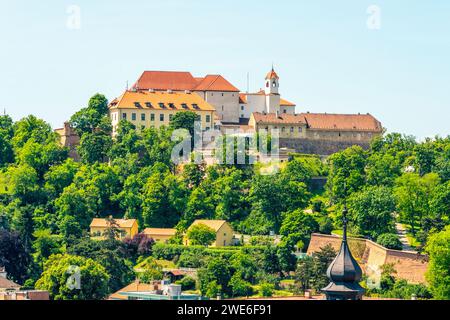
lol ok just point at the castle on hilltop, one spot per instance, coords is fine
(157, 95)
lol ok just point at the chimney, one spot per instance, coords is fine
(3, 272)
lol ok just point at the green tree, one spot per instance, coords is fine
(371, 211)
(201, 234)
(304, 273)
(95, 147)
(322, 260)
(34, 129)
(59, 177)
(185, 120)
(108, 253)
(217, 272)
(413, 193)
(390, 241)
(438, 273)
(14, 255)
(62, 273)
(45, 245)
(6, 146)
(150, 271)
(297, 227)
(92, 118)
(240, 287)
(347, 172)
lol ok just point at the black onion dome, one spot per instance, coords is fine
(344, 268)
(344, 273)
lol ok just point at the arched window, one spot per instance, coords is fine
(267, 84)
(274, 84)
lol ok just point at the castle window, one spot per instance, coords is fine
(133, 116)
(148, 105)
(143, 116)
(170, 117)
(222, 94)
(242, 108)
(161, 117)
(184, 105)
(124, 116)
(292, 129)
(152, 117)
(161, 105)
(274, 84)
(283, 129)
(267, 84)
(208, 118)
(300, 129)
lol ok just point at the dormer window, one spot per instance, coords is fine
(195, 106)
(184, 105)
(148, 105)
(161, 105)
(171, 105)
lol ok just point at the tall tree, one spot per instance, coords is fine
(438, 273)
(68, 277)
(371, 211)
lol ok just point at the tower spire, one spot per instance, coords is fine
(344, 272)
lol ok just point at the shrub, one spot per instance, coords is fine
(187, 283)
(266, 289)
(201, 235)
(390, 241)
(240, 287)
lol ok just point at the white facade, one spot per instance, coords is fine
(226, 104)
(265, 101)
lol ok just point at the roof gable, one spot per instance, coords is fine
(215, 83)
(122, 223)
(213, 224)
(165, 80)
(181, 81)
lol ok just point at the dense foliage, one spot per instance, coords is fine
(47, 201)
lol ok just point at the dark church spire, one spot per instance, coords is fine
(344, 272)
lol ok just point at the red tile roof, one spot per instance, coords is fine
(272, 75)
(283, 118)
(179, 81)
(325, 121)
(8, 284)
(164, 80)
(286, 103)
(215, 83)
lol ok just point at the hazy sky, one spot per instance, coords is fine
(327, 57)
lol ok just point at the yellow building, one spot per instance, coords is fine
(129, 227)
(224, 232)
(147, 109)
(160, 234)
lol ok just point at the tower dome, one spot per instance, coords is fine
(272, 82)
(344, 273)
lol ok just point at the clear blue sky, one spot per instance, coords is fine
(327, 58)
